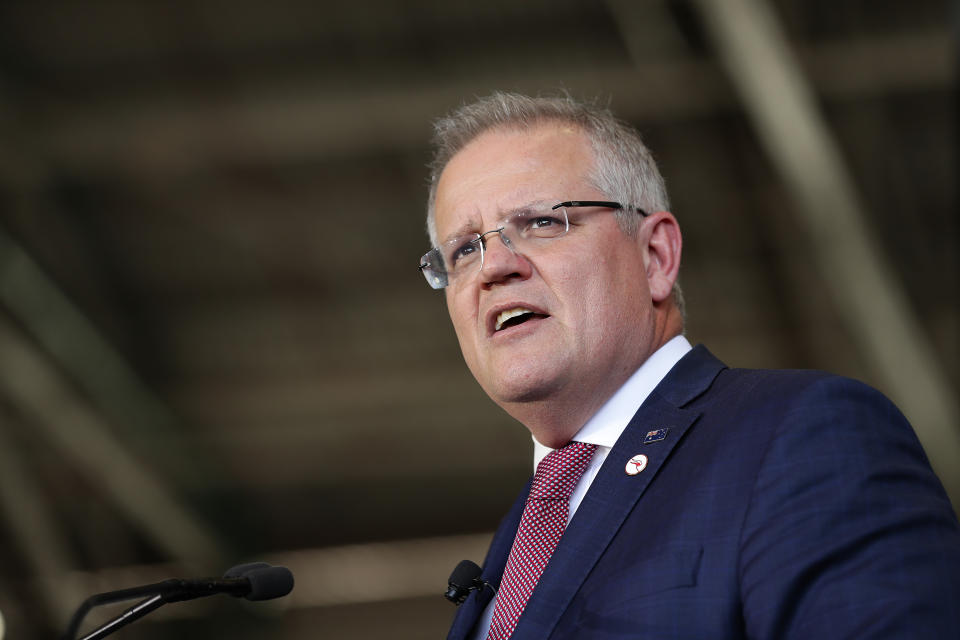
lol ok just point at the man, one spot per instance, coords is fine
(673, 497)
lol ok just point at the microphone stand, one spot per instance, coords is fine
(157, 597)
(255, 581)
(130, 615)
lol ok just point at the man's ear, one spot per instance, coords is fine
(664, 245)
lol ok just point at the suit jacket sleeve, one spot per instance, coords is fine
(848, 533)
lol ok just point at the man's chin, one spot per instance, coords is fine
(519, 376)
(523, 390)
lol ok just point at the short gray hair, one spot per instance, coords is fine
(624, 169)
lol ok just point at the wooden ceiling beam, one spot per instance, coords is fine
(782, 103)
(299, 119)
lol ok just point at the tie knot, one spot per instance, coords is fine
(558, 473)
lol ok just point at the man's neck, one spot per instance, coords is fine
(553, 421)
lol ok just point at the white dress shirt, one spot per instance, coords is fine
(603, 430)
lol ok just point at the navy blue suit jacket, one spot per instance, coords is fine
(780, 504)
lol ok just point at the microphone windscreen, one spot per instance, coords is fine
(242, 570)
(465, 573)
(269, 582)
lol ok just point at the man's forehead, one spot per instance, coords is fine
(504, 169)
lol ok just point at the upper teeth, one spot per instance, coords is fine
(510, 313)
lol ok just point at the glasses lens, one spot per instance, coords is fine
(461, 254)
(521, 231)
(432, 270)
(453, 257)
(537, 224)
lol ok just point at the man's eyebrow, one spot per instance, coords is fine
(536, 207)
(536, 204)
(470, 227)
(541, 205)
(466, 228)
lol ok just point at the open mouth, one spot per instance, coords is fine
(513, 317)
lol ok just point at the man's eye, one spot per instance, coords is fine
(462, 251)
(543, 222)
(542, 225)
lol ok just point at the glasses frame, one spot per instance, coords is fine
(442, 282)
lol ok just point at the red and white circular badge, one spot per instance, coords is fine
(636, 464)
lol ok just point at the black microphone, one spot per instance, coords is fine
(464, 579)
(253, 581)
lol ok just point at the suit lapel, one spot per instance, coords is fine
(493, 565)
(614, 493)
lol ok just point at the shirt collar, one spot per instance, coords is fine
(608, 423)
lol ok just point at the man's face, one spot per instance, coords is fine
(592, 322)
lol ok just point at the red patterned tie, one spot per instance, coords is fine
(544, 519)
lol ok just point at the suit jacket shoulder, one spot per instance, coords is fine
(780, 504)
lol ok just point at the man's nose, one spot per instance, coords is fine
(501, 260)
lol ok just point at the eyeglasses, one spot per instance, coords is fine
(523, 231)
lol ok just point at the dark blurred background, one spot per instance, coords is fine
(215, 345)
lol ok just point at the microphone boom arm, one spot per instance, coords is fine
(155, 591)
(255, 581)
(130, 615)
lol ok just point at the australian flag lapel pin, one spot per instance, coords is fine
(656, 435)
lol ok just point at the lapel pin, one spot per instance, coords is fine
(636, 464)
(656, 435)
